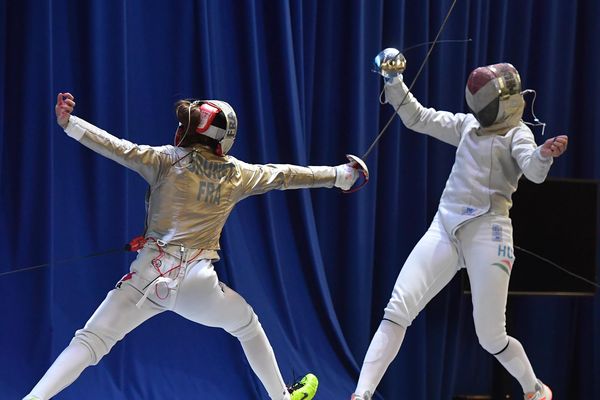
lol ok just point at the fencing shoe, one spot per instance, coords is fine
(542, 392)
(305, 388)
(365, 396)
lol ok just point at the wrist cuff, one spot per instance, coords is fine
(74, 129)
(539, 155)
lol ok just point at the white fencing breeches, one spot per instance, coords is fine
(194, 292)
(484, 247)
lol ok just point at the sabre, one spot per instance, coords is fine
(433, 43)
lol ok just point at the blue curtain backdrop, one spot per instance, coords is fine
(317, 266)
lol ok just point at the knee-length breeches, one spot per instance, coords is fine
(484, 247)
(191, 290)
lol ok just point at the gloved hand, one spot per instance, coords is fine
(389, 63)
(345, 176)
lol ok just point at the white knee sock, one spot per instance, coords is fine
(382, 351)
(261, 357)
(67, 367)
(514, 359)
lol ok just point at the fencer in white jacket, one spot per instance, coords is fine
(471, 228)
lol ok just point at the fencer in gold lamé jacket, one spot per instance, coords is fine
(192, 190)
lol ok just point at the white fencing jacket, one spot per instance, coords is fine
(487, 168)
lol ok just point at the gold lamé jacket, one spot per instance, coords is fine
(192, 190)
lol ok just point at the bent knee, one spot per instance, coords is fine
(492, 342)
(249, 328)
(98, 344)
(400, 312)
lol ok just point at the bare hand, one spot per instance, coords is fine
(554, 147)
(65, 103)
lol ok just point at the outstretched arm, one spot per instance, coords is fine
(442, 125)
(260, 179)
(146, 160)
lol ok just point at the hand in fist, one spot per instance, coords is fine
(65, 103)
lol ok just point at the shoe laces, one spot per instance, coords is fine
(296, 385)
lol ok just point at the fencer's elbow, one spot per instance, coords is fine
(415, 119)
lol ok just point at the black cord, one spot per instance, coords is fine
(111, 251)
(438, 42)
(39, 266)
(563, 269)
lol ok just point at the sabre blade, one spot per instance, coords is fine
(435, 40)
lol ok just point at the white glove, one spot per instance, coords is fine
(345, 176)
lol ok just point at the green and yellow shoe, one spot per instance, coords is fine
(305, 388)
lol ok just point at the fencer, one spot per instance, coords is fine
(194, 185)
(471, 228)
